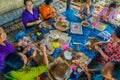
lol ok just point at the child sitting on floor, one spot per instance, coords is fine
(16, 62)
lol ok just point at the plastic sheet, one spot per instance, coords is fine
(56, 52)
(70, 15)
(84, 49)
(79, 39)
(88, 52)
(29, 30)
(19, 35)
(34, 37)
(110, 29)
(105, 35)
(51, 20)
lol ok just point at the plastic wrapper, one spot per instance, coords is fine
(56, 52)
(105, 35)
(76, 28)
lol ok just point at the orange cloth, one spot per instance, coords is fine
(46, 11)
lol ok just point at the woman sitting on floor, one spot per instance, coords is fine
(107, 13)
(6, 48)
(112, 47)
(16, 62)
(88, 8)
(111, 71)
(30, 16)
(47, 11)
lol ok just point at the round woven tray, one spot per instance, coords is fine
(59, 26)
(85, 24)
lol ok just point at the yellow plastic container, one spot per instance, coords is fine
(55, 44)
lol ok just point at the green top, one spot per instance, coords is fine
(29, 73)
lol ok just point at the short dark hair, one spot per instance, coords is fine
(26, 1)
(86, 0)
(117, 32)
(13, 61)
(113, 5)
(48, 1)
(116, 70)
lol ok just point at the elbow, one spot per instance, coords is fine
(46, 62)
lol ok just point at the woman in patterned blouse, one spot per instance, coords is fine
(112, 48)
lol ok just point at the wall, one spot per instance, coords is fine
(8, 5)
(12, 9)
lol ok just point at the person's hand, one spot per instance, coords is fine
(104, 18)
(22, 43)
(98, 48)
(43, 48)
(115, 44)
(26, 50)
(53, 14)
(85, 69)
(34, 53)
(37, 21)
(97, 43)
